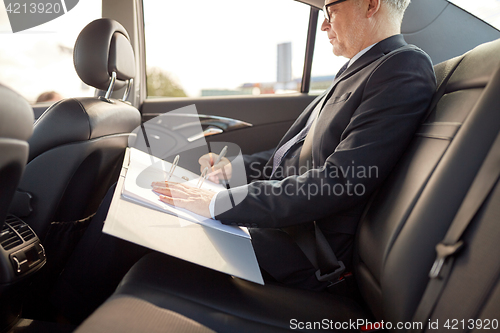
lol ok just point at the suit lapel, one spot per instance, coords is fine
(301, 121)
(299, 124)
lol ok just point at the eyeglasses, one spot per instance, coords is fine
(326, 11)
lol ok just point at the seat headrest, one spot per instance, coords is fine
(16, 115)
(104, 47)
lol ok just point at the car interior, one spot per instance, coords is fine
(425, 246)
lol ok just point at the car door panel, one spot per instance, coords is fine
(267, 117)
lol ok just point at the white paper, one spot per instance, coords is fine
(143, 169)
(196, 243)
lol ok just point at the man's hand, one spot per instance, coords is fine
(215, 171)
(193, 199)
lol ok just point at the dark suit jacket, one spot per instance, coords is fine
(362, 130)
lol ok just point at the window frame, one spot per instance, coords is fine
(310, 43)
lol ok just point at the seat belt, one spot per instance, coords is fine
(317, 250)
(314, 244)
(451, 65)
(446, 250)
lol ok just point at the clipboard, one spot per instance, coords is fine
(203, 245)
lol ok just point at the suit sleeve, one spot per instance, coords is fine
(395, 98)
(255, 164)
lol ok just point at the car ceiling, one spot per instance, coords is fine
(440, 28)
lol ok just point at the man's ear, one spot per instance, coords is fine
(373, 7)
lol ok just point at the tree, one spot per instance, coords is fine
(161, 83)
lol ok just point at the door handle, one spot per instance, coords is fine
(207, 132)
(226, 124)
(216, 125)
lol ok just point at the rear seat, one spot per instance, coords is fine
(395, 245)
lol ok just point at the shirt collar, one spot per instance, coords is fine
(359, 54)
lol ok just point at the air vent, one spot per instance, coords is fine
(21, 227)
(9, 239)
(12, 229)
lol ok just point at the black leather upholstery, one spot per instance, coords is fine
(81, 119)
(395, 245)
(15, 115)
(149, 318)
(78, 143)
(412, 212)
(16, 119)
(102, 47)
(240, 306)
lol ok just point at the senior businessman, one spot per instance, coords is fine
(348, 140)
(352, 135)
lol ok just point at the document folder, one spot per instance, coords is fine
(213, 245)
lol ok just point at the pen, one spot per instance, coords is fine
(172, 168)
(221, 155)
(202, 177)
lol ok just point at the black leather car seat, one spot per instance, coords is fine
(78, 143)
(395, 245)
(16, 126)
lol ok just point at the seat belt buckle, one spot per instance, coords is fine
(443, 252)
(344, 285)
(331, 277)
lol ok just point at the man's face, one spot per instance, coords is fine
(345, 30)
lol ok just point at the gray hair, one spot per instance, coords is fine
(397, 8)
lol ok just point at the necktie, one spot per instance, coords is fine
(342, 70)
(283, 150)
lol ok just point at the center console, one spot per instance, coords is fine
(21, 254)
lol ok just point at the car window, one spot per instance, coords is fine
(486, 10)
(40, 59)
(223, 47)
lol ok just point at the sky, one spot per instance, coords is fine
(203, 47)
